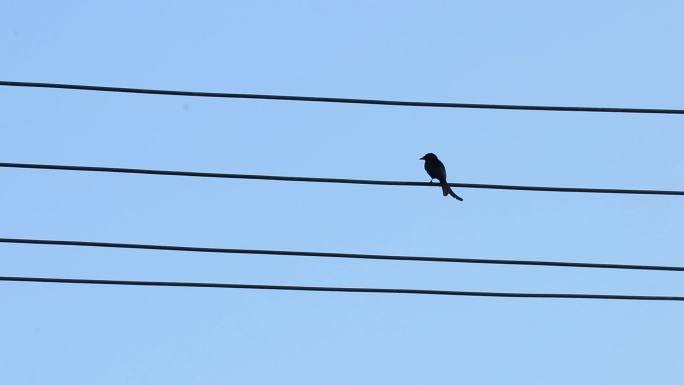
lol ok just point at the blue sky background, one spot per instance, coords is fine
(608, 53)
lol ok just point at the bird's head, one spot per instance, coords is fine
(429, 156)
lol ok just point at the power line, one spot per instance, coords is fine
(341, 100)
(339, 255)
(340, 289)
(336, 180)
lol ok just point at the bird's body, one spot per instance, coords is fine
(435, 168)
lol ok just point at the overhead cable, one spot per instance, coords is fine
(341, 100)
(341, 289)
(340, 255)
(337, 180)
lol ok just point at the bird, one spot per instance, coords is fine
(435, 168)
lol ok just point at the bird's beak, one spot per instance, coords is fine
(423, 158)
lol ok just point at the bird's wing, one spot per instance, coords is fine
(442, 170)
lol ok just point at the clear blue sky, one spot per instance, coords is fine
(608, 53)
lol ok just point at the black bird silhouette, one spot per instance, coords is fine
(435, 168)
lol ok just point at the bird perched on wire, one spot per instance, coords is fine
(435, 168)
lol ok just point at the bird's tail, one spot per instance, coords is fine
(446, 190)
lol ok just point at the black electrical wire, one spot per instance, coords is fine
(341, 289)
(339, 255)
(336, 180)
(341, 100)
